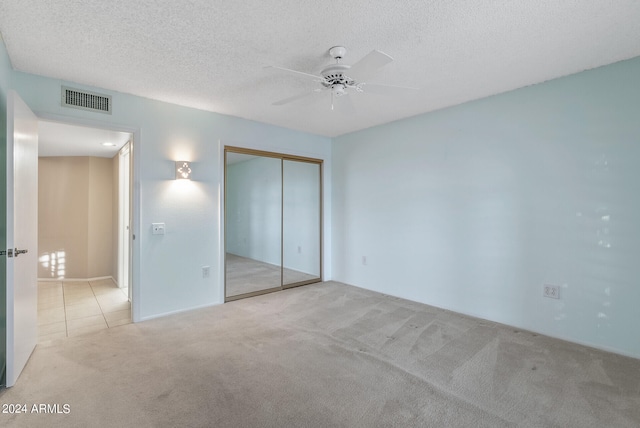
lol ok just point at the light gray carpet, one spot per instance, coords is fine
(246, 275)
(325, 355)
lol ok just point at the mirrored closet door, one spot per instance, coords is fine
(273, 225)
(253, 223)
(301, 222)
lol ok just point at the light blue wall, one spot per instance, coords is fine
(167, 269)
(475, 207)
(5, 84)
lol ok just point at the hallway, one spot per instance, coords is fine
(72, 308)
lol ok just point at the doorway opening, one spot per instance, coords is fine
(84, 229)
(273, 222)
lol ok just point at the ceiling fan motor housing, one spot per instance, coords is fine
(336, 79)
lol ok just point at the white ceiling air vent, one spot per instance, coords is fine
(85, 100)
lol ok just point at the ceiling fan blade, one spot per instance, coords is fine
(296, 97)
(377, 88)
(371, 62)
(299, 73)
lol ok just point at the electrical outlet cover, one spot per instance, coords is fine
(551, 291)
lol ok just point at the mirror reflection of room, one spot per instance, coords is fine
(272, 224)
(253, 223)
(301, 220)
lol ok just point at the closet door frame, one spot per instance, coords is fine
(283, 157)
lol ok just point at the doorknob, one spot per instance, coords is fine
(18, 252)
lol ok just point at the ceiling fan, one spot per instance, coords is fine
(340, 79)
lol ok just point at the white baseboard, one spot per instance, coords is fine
(164, 314)
(95, 278)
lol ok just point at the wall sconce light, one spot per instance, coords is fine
(183, 170)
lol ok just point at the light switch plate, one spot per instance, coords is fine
(157, 228)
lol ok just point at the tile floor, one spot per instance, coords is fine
(71, 308)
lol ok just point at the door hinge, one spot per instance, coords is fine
(9, 253)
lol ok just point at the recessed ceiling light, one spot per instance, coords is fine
(109, 144)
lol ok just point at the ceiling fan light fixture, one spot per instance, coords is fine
(338, 89)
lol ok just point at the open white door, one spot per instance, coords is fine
(22, 235)
(124, 223)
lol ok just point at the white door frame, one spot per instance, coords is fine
(124, 216)
(134, 256)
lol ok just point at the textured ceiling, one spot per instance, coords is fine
(210, 54)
